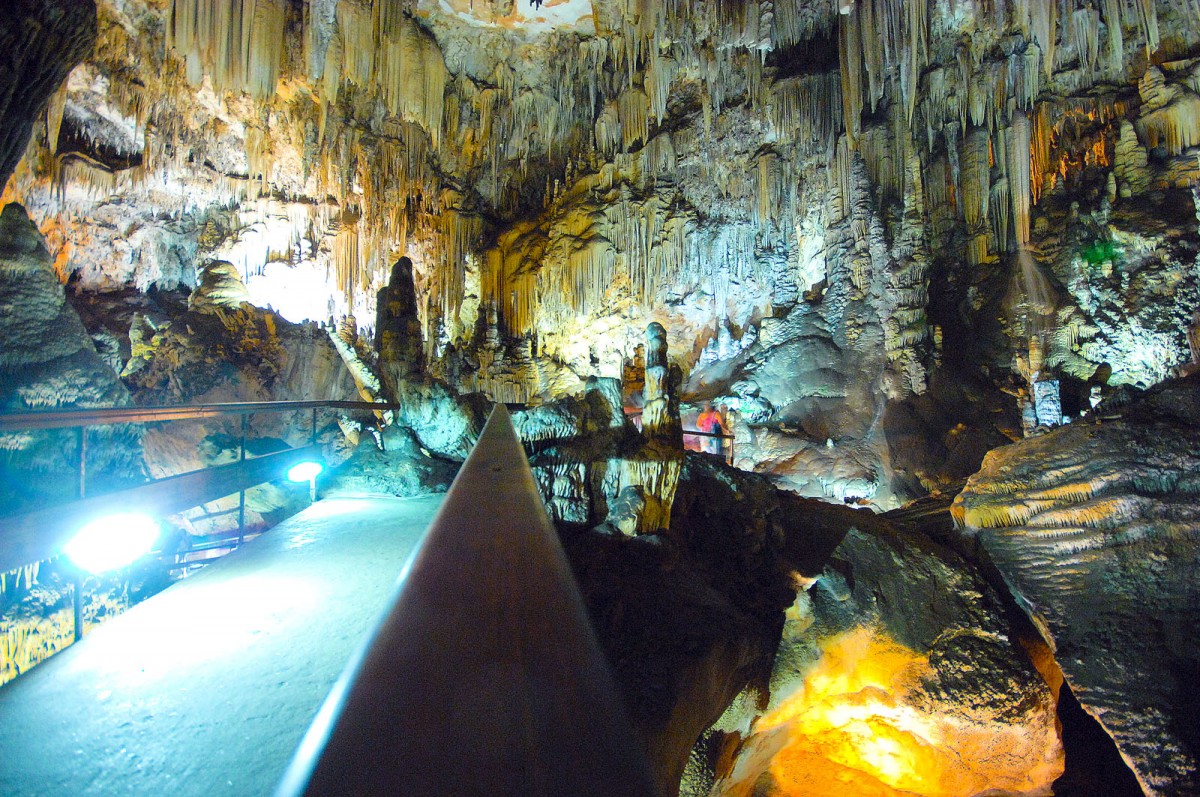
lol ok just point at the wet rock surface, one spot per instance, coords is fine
(1095, 529)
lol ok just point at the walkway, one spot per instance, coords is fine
(207, 687)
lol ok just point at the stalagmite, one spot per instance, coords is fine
(660, 414)
(397, 328)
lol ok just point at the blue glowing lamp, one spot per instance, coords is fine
(112, 541)
(305, 471)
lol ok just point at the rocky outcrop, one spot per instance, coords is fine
(48, 361)
(444, 422)
(898, 674)
(390, 462)
(219, 284)
(43, 40)
(691, 616)
(1096, 530)
(226, 351)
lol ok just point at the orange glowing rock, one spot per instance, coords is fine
(861, 726)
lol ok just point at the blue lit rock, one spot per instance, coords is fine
(47, 361)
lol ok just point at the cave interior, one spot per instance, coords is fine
(854, 344)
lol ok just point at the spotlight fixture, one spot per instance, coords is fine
(112, 541)
(305, 471)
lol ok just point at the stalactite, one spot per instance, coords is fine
(1041, 18)
(918, 54)
(409, 69)
(849, 51)
(1116, 38)
(975, 195)
(768, 187)
(658, 157)
(460, 237)
(238, 44)
(1019, 180)
(660, 72)
(1001, 209)
(807, 110)
(632, 111)
(347, 259)
(796, 21)
(872, 36)
(1039, 150)
(54, 115)
(1085, 27)
(608, 130)
(886, 153)
(1148, 14)
(841, 177)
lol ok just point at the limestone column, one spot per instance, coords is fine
(398, 327)
(660, 416)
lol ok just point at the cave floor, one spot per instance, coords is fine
(207, 687)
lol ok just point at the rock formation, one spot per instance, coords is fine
(561, 180)
(48, 361)
(868, 696)
(691, 617)
(660, 415)
(1096, 531)
(44, 39)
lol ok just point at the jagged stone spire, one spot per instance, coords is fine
(660, 416)
(397, 325)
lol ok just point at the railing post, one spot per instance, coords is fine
(77, 583)
(242, 493)
(82, 462)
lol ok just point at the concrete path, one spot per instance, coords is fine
(207, 687)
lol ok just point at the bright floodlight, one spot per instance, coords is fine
(112, 541)
(305, 471)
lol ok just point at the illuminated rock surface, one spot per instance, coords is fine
(1096, 530)
(898, 675)
(785, 177)
(691, 615)
(48, 360)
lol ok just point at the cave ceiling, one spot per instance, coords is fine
(824, 202)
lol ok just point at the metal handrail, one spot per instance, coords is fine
(38, 534)
(485, 676)
(99, 416)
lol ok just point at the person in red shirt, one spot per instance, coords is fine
(710, 421)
